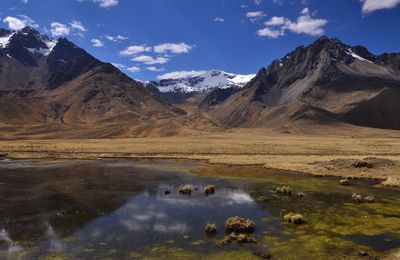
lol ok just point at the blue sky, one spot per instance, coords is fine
(240, 36)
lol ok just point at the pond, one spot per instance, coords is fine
(119, 209)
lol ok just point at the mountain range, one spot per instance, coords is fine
(193, 88)
(54, 89)
(327, 82)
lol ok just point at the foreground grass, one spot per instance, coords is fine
(312, 154)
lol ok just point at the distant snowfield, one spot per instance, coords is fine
(204, 82)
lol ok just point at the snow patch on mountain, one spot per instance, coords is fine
(46, 41)
(203, 82)
(358, 57)
(44, 51)
(5, 40)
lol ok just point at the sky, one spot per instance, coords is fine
(150, 39)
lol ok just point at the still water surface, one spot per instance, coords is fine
(119, 210)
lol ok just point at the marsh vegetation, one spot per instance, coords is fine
(120, 209)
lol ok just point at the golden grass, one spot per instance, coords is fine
(313, 154)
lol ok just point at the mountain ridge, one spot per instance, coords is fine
(52, 87)
(67, 88)
(326, 74)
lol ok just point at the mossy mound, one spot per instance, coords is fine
(238, 224)
(284, 190)
(185, 189)
(238, 238)
(293, 218)
(211, 229)
(209, 190)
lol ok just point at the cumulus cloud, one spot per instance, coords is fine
(134, 50)
(155, 69)
(106, 3)
(155, 55)
(17, 23)
(181, 74)
(305, 24)
(24, 1)
(77, 25)
(219, 19)
(271, 33)
(59, 29)
(97, 43)
(255, 16)
(176, 48)
(103, 3)
(149, 60)
(276, 21)
(257, 2)
(134, 69)
(117, 38)
(369, 6)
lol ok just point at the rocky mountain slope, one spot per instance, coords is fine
(327, 82)
(54, 89)
(192, 89)
(54, 86)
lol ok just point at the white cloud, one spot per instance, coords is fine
(77, 25)
(59, 29)
(160, 54)
(106, 3)
(305, 24)
(219, 19)
(134, 50)
(134, 69)
(271, 33)
(257, 2)
(255, 16)
(244, 6)
(24, 1)
(305, 11)
(181, 74)
(103, 3)
(118, 38)
(370, 6)
(176, 48)
(152, 68)
(148, 60)
(22, 21)
(276, 21)
(97, 43)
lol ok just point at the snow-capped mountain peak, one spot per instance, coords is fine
(27, 38)
(202, 82)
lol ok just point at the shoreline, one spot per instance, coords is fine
(212, 159)
(371, 156)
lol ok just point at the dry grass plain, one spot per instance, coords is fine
(311, 154)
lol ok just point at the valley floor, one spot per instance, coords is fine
(369, 153)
